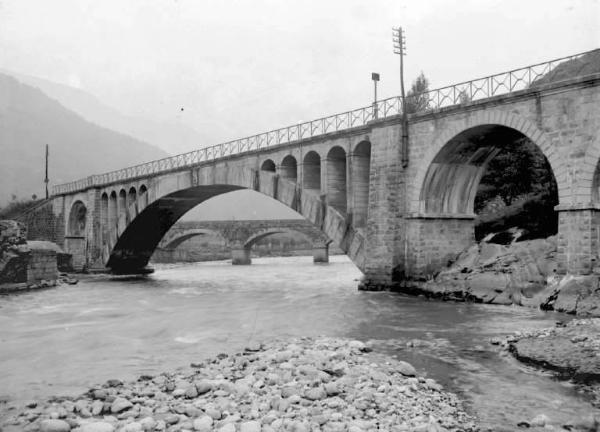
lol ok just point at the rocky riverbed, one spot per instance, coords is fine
(322, 384)
(518, 273)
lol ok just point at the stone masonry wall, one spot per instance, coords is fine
(578, 241)
(433, 243)
(41, 223)
(42, 266)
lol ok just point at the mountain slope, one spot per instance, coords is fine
(173, 137)
(29, 120)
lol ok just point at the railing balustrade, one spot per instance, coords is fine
(481, 88)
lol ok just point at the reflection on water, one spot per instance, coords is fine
(59, 341)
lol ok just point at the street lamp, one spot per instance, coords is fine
(375, 78)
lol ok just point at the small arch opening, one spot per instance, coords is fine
(122, 202)
(143, 197)
(131, 197)
(289, 168)
(104, 216)
(336, 178)
(112, 210)
(77, 219)
(312, 171)
(268, 165)
(361, 164)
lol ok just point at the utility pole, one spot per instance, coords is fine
(46, 179)
(399, 39)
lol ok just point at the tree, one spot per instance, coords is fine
(417, 98)
(464, 97)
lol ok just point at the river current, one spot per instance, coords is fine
(61, 341)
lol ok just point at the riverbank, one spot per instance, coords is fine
(300, 385)
(518, 273)
(571, 351)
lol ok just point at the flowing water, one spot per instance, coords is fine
(63, 340)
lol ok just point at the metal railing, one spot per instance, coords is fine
(481, 88)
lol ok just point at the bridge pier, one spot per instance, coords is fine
(240, 256)
(578, 239)
(321, 254)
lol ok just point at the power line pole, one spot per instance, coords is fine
(399, 39)
(46, 179)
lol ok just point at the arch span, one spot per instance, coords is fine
(444, 221)
(253, 239)
(175, 241)
(452, 179)
(132, 249)
(320, 245)
(481, 119)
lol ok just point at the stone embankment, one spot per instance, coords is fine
(299, 386)
(29, 264)
(521, 273)
(571, 350)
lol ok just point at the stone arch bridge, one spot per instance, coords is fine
(241, 235)
(400, 209)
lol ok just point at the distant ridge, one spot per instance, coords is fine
(29, 120)
(172, 137)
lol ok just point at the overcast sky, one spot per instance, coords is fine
(243, 67)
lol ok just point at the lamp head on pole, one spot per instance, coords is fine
(375, 76)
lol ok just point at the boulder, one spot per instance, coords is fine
(571, 291)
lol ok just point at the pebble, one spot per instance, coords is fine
(120, 404)
(97, 427)
(250, 426)
(229, 427)
(406, 369)
(54, 425)
(203, 424)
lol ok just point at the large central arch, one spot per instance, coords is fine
(138, 241)
(133, 247)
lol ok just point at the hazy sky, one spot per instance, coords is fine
(243, 67)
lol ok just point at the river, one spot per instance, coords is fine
(63, 340)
